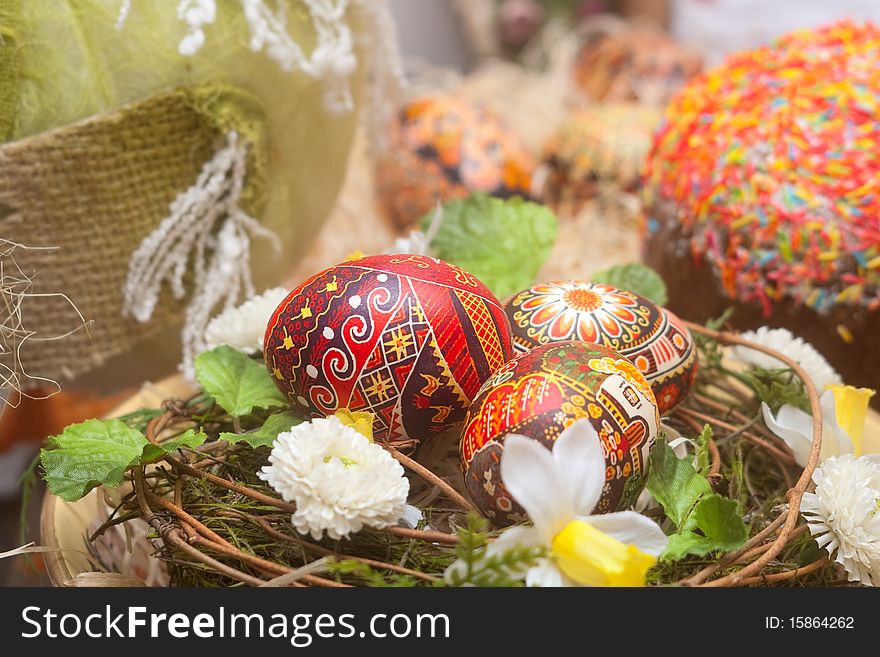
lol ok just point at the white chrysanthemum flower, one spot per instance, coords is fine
(415, 242)
(843, 514)
(783, 341)
(243, 327)
(339, 480)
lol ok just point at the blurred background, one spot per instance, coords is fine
(515, 56)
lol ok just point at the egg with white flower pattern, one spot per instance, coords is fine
(543, 391)
(407, 337)
(653, 338)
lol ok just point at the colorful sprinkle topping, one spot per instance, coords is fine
(773, 161)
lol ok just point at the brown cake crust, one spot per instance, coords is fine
(696, 293)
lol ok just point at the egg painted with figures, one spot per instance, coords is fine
(653, 338)
(444, 147)
(542, 392)
(409, 338)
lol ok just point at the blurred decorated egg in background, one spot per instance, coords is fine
(650, 336)
(444, 147)
(408, 338)
(600, 145)
(632, 62)
(540, 393)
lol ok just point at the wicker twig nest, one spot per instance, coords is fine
(215, 523)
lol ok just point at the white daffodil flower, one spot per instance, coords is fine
(844, 409)
(559, 491)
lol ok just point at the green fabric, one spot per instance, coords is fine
(227, 108)
(10, 24)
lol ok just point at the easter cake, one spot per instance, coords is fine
(762, 193)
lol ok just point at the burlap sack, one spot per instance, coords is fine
(95, 189)
(84, 170)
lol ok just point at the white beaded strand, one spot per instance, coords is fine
(220, 258)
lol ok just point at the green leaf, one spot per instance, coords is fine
(90, 454)
(637, 278)
(501, 242)
(237, 382)
(98, 452)
(703, 456)
(675, 484)
(266, 434)
(190, 438)
(720, 525)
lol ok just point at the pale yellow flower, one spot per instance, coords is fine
(844, 409)
(851, 409)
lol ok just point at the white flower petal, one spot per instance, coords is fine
(795, 427)
(529, 472)
(513, 537)
(244, 326)
(579, 458)
(411, 517)
(842, 514)
(517, 536)
(783, 341)
(789, 425)
(546, 574)
(633, 529)
(645, 501)
(679, 446)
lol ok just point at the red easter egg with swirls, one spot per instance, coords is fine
(409, 338)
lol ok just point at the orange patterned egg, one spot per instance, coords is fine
(406, 337)
(603, 145)
(445, 147)
(651, 337)
(539, 394)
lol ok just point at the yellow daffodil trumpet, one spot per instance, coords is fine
(593, 558)
(851, 409)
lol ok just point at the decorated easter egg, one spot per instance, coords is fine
(406, 337)
(651, 337)
(444, 147)
(599, 146)
(540, 393)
